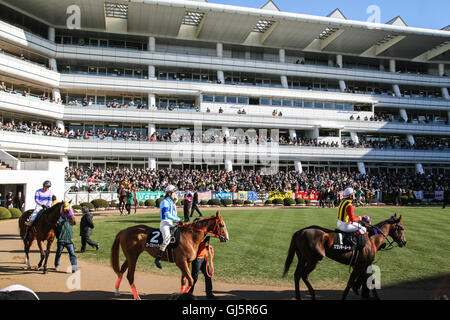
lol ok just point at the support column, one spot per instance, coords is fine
(52, 64)
(151, 129)
(361, 168)
(342, 85)
(419, 168)
(56, 95)
(228, 165)
(339, 61)
(392, 66)
(441, 68)
(60, 125)
(292, 134)
(219, 49)
(313, 134)
(396, 89)
(284, 82)
(282, 54)
(151, 101)
(51, 34)
(151, 44)
(403, 114)
(354, 137)
(220, 77)
(152, 163)
(226, 132)
(298, 166)
(382, 67)
(411, 140)
(445, 93)
(151, 72)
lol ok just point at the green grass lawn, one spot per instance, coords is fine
(259, 241)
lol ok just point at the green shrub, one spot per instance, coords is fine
(76, 207)
(15, 213)
(278, 201)
(268, 202)
(404, 200)
(203, 202)
(226, 202)
(100, 203)
(114, 204)
(248, 202)
(141, 203)
(238, 201)
(4, 213)
(307, 202)
(150, 203)
(300, 201)
(87, 204)
(179, 203)
(289, 202)
(214, 202)
(158, 201)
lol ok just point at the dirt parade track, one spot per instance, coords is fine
(96, 281)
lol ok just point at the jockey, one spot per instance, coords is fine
(347, 222)
(168, 214)
(43, 198)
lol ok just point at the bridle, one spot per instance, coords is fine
(213, 233)
(377, 230)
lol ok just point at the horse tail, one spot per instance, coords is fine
(115, 254)
(290, 255)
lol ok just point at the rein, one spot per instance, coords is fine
(205, 231)
(378, 230)
(209, 263)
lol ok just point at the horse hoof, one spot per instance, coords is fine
(117, 293)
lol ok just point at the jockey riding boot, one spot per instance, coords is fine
(158, 259)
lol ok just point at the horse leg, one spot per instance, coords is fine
(356, 273)
(119, 278)
(47, 254)
(297, 275)
(185, 274)
(130, 274)
(27, 245)
(41, 249)
(310, 266)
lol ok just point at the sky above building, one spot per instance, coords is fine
(428, 14)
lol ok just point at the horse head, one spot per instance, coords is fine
(397, 232)
(221, 228)
(66, 211)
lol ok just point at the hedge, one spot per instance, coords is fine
(238, 201)
(278, 201)
(289, 202)
(203, 202)
(4, 213)
(100, 203)
(226, 202)
(268, 202)
(15, 213)
(87, 204)
(300, 201)
(150, 203)
(158, 201)
(141, 203)
(307, 202)
(248, 202)
(76, 207)
(214, 202)
(113, 204)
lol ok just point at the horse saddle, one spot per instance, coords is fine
(154, 240)
(348, 241)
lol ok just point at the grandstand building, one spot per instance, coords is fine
(338, 94)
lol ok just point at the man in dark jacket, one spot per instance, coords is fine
(187, 201)
(195, 205)
(19, 201)
(86, 226)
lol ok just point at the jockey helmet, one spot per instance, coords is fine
(47, 184)
(170, 188)
(348, 192)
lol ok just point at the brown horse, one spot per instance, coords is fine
(133, 239)
(43, 230)
(314, 243)
(123, 197)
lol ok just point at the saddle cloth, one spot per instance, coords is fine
(154, 240)
(348, 241)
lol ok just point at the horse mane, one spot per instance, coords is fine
(198, 222)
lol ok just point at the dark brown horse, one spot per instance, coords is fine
(43, 230)
(133, 239)
(314, 243)
(123, 197)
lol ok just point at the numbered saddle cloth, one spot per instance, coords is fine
(348, 241)
(154, 238)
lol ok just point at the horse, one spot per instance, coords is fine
(123, 197)
(313, 243)
(43, 230)
(133, 239)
